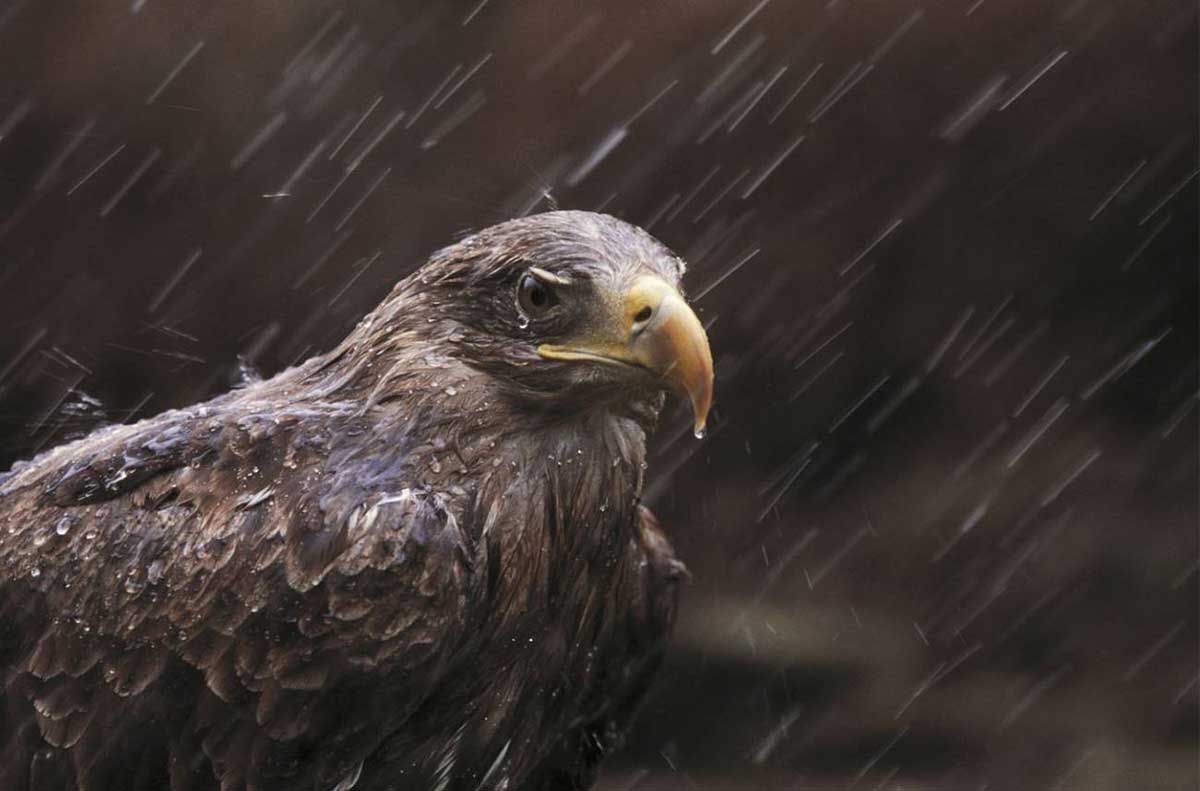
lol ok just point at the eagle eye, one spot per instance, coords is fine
(534, 297)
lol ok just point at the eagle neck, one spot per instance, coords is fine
(572, 503)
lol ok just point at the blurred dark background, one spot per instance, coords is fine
(944, 528)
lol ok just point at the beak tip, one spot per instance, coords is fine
(700, 418)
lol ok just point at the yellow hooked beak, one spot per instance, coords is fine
(650, 327)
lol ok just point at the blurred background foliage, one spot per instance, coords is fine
(944, 528)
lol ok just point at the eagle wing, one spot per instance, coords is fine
(203, 600)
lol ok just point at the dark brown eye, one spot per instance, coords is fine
(534, 297)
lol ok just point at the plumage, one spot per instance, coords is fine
(416, 561)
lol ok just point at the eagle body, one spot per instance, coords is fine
(408, 563)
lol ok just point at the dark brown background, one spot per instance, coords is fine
(902, 577)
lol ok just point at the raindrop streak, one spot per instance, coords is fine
(772, 740)
(1009, 359)
(311, 44)
(1186, 688)
(328, 195)
(566, 44)
(865, 397)
(853, 77)
(322, 259)
(162, 86)
(883, 235)
(257, 142)
(939, 673)
(837, 556)
(740, 263)
(890, 42)
(822, 345)
(733, 31)
(984, 347)
(15, 117)
(720, 195)
(130, 182)
(792, 96)
(1032, 78)
(1041, 383)
(878, 756)
(1123, 366)
(366, 150)
(174, 281)
(1052, 414)
(757, 97)
(468, 108)
(606, 146)
(473, 12)
(1117, 190)
(462, 81)
(1032, 696)
(661, 210)
(285, 190)
(1180, 413)
(1053, 494)
(1171, 194)
(353, 129)
(25, 350)
(948, 341)
(74, 140)
(976, 108)
(358, 204)
(974, 518)
(1141, 248)
(771, 167)
(894, 403)
(420, 110)
(653, 100)
(819, 373)
(995, 314)
(365, 265)
(983, 447)
(96, 169)
(695, 191)
(717, 84)
(604, 68)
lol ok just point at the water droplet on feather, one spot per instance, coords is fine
(155, 571)
(134, 584)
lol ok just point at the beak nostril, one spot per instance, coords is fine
(643, 315)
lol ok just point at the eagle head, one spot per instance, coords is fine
(568, 310)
